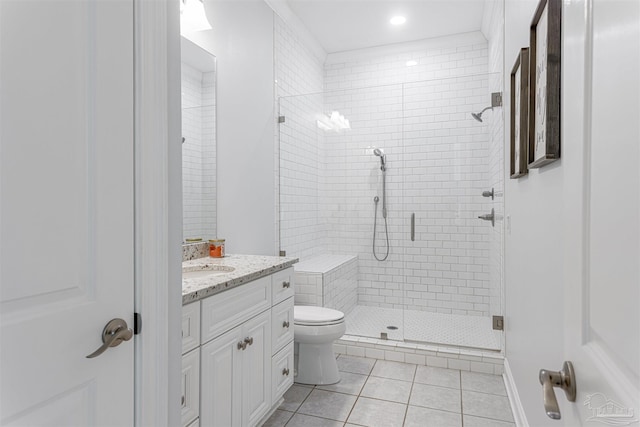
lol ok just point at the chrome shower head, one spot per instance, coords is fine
(383, 157)
(478, 116)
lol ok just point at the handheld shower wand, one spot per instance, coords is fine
(383, 167)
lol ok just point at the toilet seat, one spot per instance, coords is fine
(316, 316)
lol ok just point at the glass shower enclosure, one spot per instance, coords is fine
(393, 177)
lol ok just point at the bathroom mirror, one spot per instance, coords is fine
(198, 84)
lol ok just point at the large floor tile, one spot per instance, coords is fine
(438, 376)
(471, 421)
(300, 420)
(483, 383)
(426, 417)
(486, 406)
(355, 365)
(377, 413)
(278, 419)
(349, 383)
(387, 389)
(328, 404)
(294, 397)
(429, 396)
(394, 370)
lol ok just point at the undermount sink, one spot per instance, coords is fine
(207, 270)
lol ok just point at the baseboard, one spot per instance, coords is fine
(514, 399)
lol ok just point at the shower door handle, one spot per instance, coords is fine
(413, 227)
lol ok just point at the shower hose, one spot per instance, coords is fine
(386, 231)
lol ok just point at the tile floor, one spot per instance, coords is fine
(387, 394)
(447, 329)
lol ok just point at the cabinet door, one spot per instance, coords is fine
(221, 381)
(282, 324)
(190, 386)
(282, 372)
(190, 326)
(256, 369)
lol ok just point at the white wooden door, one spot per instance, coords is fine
(66, 211)
(221, 381)
(601, 153)
(256, 369)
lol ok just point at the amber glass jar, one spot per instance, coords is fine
(216, 248)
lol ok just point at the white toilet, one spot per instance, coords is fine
(315, 330)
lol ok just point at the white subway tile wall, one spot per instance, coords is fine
(439, 160)
(198, 153)
(328, 281)
(298, 155)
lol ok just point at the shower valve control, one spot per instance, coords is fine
(488, 194)
(489, 217)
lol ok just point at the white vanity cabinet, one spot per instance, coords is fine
(245, 351)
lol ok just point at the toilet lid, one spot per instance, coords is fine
(311, 315)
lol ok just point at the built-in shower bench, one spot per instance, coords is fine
(327, 281)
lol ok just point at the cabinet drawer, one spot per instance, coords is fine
(282, 324)
(282, 283)
(190, 326)
(190, 399)
(281, 372)
(228, 309)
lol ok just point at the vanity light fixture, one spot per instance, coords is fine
(193, 17)
(398, 20)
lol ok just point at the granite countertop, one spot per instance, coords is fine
(247, 268)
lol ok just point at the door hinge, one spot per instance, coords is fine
(283, 253)
(496, 99)
(137, 323)
(498, 323)
(281, 119)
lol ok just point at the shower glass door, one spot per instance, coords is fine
(331, 151)
(431, 272)
(452, 259)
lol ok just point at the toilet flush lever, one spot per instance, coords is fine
(564, 379)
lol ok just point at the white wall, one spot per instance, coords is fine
(198, 153)
(533, 251)
(242, 41)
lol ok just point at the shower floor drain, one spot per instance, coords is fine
(393, 328)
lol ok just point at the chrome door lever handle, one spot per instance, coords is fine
(113, 334)
(564, 379)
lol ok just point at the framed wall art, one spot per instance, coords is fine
(544, 86)
(520, 114)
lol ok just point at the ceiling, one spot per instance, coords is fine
(341, 25)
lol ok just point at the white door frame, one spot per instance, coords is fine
(158, 212)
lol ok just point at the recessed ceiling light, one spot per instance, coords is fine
(412, 63)
(398, 20)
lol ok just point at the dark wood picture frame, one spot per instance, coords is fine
(544, 86)
(520, 114)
